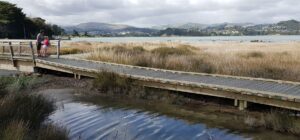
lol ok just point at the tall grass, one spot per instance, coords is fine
(31, 108)
(280, 121)
(281, 61)
(22, 113)
(15, 130)
(264, 60)
(51, 132)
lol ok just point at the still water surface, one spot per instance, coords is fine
(90, 121)
(268, 38)
(103, 118)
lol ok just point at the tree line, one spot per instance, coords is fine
(14, 24)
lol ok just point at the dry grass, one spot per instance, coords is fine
(263, 60)
(16, 130)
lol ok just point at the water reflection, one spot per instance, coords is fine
(89, 122)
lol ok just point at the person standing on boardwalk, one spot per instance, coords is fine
(39, 42)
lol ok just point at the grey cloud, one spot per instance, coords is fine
(153, 12)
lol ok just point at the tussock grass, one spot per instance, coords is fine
(15, 130)
(31, 108)
(280, 121)
(19, 84)
(21, 113)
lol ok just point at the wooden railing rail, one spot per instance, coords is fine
(24, 47)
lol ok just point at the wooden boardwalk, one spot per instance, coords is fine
(241, 89)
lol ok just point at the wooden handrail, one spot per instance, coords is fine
(18, 47)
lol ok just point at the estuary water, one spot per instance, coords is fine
(268, 38)
(88, 121)
(103, 118)
(93, 122)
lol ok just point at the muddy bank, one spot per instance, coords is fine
(8, 73)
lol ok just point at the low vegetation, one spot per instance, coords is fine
(22, 114)
(112, 82)
(280, 121)
(52, 132)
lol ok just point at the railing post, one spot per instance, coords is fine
(11, 54)
(3, 47)
(32, 53)
(58, 49)
(20, 49)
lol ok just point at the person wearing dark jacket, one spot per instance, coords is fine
(39, 42)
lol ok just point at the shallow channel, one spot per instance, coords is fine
(90, 121)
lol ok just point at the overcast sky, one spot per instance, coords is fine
(159, 12)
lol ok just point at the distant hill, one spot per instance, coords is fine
(290, 24)
(290, 27)
(198, 26)
(95, 28)
(181, 26)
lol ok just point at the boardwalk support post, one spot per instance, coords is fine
(12, 54)
(32, 53)
(77, 76)
(58, 49)
(236, 102)
(242, 104)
